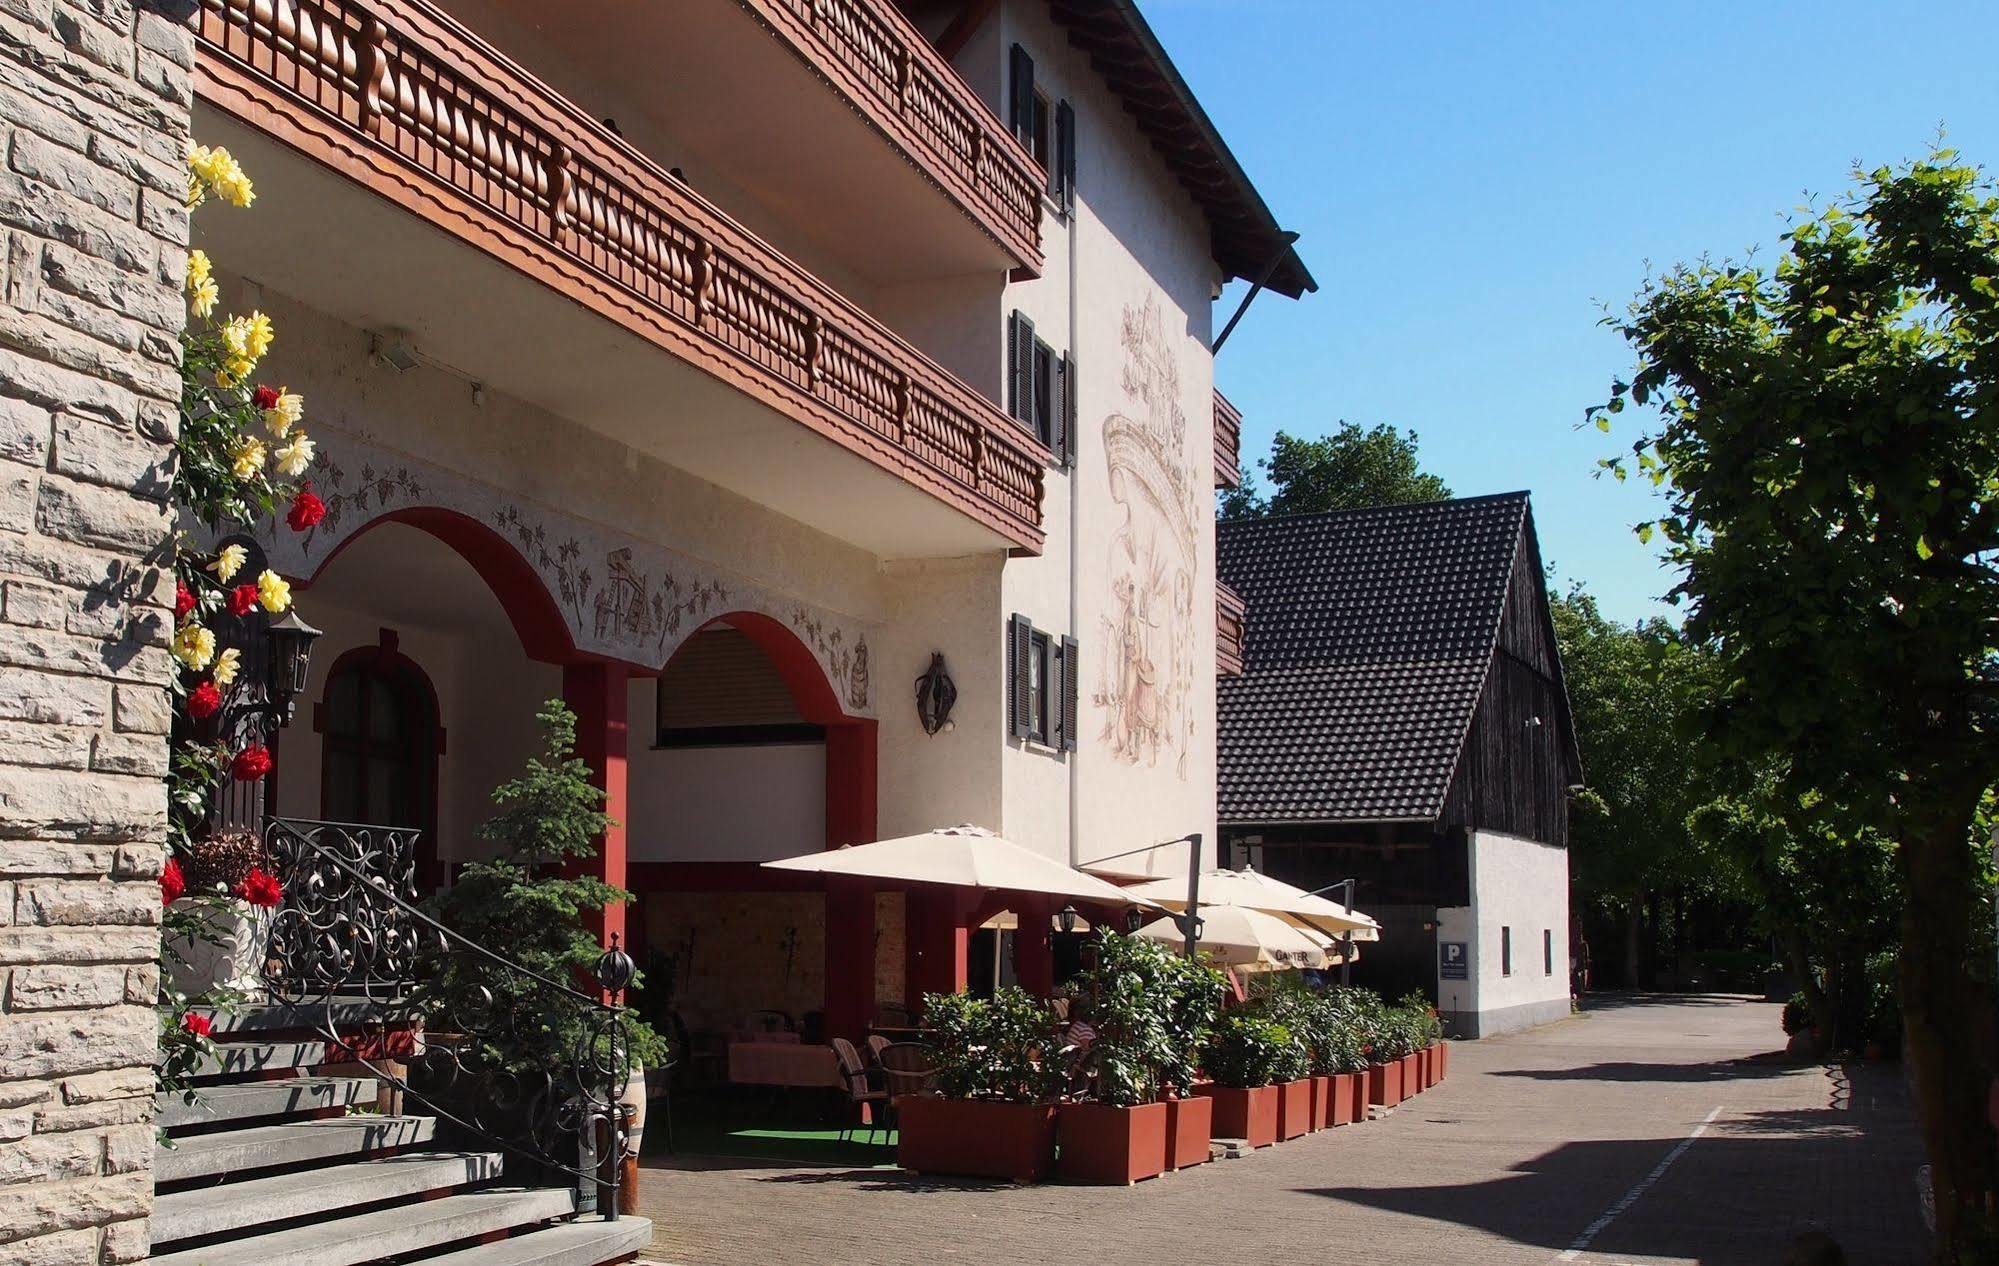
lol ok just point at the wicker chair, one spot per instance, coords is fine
(876, 1043)
(871, 1105)
(907, 1068)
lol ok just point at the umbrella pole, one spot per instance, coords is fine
(1189, 935)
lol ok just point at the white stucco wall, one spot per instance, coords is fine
(1522, 885)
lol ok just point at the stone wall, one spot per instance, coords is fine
(94, 105)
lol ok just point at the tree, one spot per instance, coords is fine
(1349, 469)
(1827, 436)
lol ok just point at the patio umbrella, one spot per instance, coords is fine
(1237, 936)
(1251, 890)
(964, 857)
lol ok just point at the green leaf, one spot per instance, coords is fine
(1923, 550)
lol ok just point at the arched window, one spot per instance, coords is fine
(379, 741)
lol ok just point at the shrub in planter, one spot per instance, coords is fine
(1248, 1054)
(999, 1073)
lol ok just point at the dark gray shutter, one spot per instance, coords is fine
(1058, 417)
(1065, 155)
(1020, 96)
(1070, 671)
(1020, 368)
(1065, 407)
(1019, 650)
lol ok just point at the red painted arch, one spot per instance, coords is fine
(536, 618)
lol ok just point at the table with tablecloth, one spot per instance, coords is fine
(784, 1064)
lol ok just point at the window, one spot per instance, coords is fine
(1047, 129)
(379, 744)
(1547, 951)
(1039, 142)
(1041, 389)
(1506, 951)
(1042, 675)
(1044, 395)
(721, 690)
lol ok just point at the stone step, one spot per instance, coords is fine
(392, 1232)
(287, 1097)
(204, 1211)
(268, 1146)
(589, 1241)
(345, 1014)
(242, 1059)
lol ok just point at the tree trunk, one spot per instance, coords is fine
(1634, 933)
(1818, 1008)
(1947, 1015)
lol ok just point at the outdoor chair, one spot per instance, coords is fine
(875, 1044)
(907, 1069)
(871, 1106)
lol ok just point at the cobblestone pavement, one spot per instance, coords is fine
(1643, 1132)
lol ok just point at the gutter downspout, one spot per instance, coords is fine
(1075, 538)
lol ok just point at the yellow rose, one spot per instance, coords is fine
(194, 646)
(274, 592)
(201, 298)
(228, 562)
(227, 665)
(246, 458)
(281, 419)
(295, 456)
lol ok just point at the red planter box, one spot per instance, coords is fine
(1322, 1102)
(1384, 1084)
(980, 1138)
(1190, 1127)
(1443, 1050)
(1110, 1146)
(1339, 1099)
(1433, 1064)
(1412, 1076)
(1244, 1114)
(1357, 1087)
(1294, 1108)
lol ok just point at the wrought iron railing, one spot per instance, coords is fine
(397, 95)
(527, 1063)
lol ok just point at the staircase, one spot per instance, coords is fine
(288, 1160)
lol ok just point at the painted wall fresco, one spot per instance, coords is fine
(1145, 690)
(619, 596)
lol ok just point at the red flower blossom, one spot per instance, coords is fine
(307, 510)
(264, 397)
(242, 600)
(199, 1025)
(252, 763)
(260, 889)
(172, 882)
(183, 600)
(204, 701)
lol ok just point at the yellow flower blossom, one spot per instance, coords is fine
(294, 457)
(228, 562)
(274, 591)
(227, 665)
(285, 415)
(246, 457)
(201, 288)
(259, 336)
(194, 646)
(216, 171)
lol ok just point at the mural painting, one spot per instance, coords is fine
(1146, 683)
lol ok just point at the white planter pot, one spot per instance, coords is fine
(231, 957)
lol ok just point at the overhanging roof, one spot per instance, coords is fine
(1123, 49)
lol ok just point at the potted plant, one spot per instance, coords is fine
(1342, 1057)
(1381, 1044)
(1248, 1053)
(1193, 1001)
(999, 1073)
(1118, 1134)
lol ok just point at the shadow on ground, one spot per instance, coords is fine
(1620, 1070)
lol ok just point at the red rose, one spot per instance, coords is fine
(260, 889)
(183, 600)
(172, 882)
(252, 763)
(264, 397)
(199, 1025)
(242, 600)
(307, 510)
(204, 701)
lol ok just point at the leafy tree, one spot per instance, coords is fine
(1828, 439)
(1350, 469)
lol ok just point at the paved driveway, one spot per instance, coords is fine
(1643, 1132)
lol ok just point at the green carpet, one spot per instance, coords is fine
(750, 1131)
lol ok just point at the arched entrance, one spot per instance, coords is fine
(380, 737)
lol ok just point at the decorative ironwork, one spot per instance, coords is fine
(527, 1063)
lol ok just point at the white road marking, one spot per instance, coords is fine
(1631, 1197)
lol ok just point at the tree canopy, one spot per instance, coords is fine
(1351, 468)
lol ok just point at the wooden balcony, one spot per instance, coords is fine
(400, 99)
(1231, 626)
(881, 64)
(1228, 443)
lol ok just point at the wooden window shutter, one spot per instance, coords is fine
(1019, 651)
(1066, 408)
(1020, 368)
(1071, 670)
(1058, 416)
(1021, 96)
(1065, 155)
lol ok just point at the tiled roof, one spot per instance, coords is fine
(1370, 632)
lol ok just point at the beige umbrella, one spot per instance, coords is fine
(964, 857)
(1237, 936)
(1249, 889)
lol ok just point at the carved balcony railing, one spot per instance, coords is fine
(527, 1063)
(398, 96)
(1231, 626)
(880, 62)
(1228, 443)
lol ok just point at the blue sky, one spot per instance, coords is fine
(1474, 180)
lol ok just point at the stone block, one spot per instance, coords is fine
(88, 450)
(89, 806)
(62, 653)
(119, 1083)
(43, 746)
(25, 1094)
(51, 213)
(52, 1158)
(58, 1043)
(89, 320)
(24, 433)
(94, 1116)
(38, 606)
(77, 945)
(99, 516)
(56, 859)
(139, 861)
(45, 988)
(17, 500)
(58, 167)
(143, 710)
(85, 903)
(128, 1241)
(95, 40)
(51, 699)
(141, 754)
(135, 295)
(65, 1248)
(130, 1147)
(39, 1208)
(165, 217)
(54, 386)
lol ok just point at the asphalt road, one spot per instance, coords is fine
(1647, 1130)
